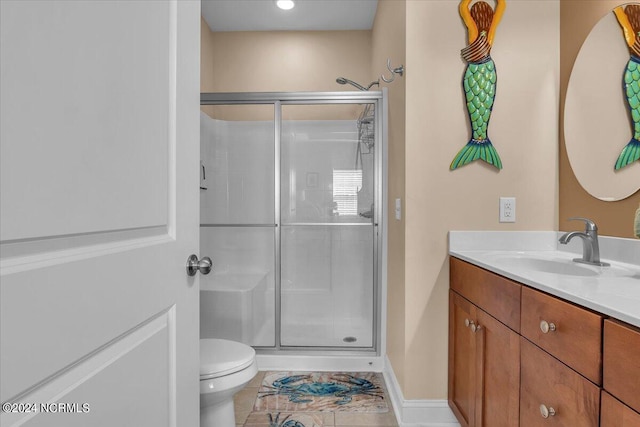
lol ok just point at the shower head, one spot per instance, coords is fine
(343, 81)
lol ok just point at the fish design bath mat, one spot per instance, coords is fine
(285, 419)
(322, 391)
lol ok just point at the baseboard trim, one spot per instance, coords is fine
(416, 413)
(280, 362)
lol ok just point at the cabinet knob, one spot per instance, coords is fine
(547, 412)
(472, 325)
(545, 326)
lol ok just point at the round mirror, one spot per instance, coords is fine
(597, 118)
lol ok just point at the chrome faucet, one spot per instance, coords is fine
(590, 247)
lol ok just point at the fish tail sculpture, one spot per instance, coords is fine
(629, 19)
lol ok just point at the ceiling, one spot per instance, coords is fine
(309, 15)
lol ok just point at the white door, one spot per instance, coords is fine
(99, 212)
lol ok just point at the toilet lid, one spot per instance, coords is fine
(223, 357)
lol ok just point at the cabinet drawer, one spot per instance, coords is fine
(613, 413)
(574, 335)
(547, 381)
(622, 362)
(498, 296)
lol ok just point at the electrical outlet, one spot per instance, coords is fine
(507, 209)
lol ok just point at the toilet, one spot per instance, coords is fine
(225, 368)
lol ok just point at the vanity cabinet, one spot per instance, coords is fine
(484, 353)
(520, 357)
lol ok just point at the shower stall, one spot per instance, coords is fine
(292, 217)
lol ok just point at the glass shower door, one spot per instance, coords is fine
(237, 230)
(327, 225)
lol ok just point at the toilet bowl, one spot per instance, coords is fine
(225, 368)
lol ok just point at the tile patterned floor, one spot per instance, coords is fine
(245, 399)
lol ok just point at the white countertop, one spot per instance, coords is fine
(613, 291)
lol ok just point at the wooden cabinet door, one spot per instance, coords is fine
(622, 362)
(462, 359)
(614, 413)
(498, 374)
(484, 367)
(547, 381)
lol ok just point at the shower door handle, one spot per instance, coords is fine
(193, 265)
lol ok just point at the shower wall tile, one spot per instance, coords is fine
(239, 250)
(239, 160)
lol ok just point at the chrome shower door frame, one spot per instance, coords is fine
(278, 100)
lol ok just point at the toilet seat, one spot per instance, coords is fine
(220, 357)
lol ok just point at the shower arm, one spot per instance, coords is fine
(373, 83)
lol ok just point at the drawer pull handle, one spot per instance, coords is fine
(545, 326)
(547, 412)
(472, 325)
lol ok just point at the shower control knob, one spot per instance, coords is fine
(193, 265)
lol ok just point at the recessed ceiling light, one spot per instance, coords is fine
(285, 4)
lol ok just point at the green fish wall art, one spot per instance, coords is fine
(629, 19)
(479, 80)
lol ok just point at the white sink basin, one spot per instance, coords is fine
(567, 267)
(561, 266)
